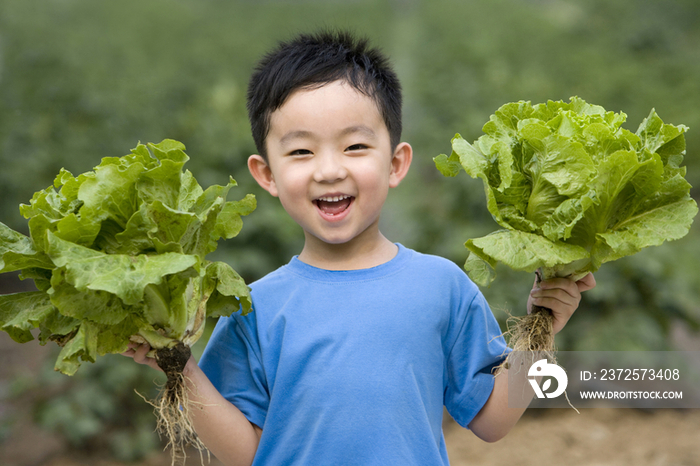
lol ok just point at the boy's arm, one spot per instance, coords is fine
(496, 419)
(221, 426)
(562, 296)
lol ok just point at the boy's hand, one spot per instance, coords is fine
(561, 295)
(139, 353)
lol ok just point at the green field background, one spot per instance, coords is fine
(86, 79)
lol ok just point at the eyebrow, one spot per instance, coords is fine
(366, 130)
(302, 134)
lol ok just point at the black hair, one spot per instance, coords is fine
(313, 60)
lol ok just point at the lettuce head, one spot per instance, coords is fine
(571, 188)
(120, 252)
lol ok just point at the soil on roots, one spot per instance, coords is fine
(173, 361)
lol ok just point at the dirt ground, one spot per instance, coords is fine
(596, 437)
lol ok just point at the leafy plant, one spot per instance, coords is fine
(118, 255)
(572, 190)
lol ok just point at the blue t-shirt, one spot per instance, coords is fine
(354, 367)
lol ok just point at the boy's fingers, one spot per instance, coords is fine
(555, 305)
(573, 289)
(561, 311)
(141, 352)
(138, 352)
(586, 283)
(568, 295)
(561, 295)
(565, 284)
(132, 348)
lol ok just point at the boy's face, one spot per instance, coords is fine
(330, 163)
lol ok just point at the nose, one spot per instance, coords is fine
(330, 168)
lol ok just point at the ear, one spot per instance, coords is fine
(261, 172)
(400, 163)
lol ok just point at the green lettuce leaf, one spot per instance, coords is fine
(228, 293)
(82, 347)
(122, 275)
(21, 312)
(17, 252)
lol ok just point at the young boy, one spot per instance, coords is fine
(355, 346)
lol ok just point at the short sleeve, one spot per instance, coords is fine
(232, 362)
(478, 348)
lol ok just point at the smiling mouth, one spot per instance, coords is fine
(333, 205)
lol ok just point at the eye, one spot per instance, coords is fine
(300, 152)
(356, 147)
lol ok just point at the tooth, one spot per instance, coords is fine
(330, 199)
(334, 198)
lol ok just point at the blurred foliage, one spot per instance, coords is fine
(101, 408)
(98, 409)
(81, 80)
